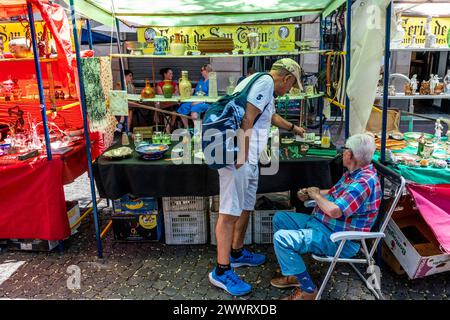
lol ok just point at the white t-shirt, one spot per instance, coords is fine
(260, 95)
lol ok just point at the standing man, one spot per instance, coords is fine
(239, 183)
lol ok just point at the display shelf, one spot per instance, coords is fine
(176, 99)
(440, 49)
(218, 55)
(402, 96)
(31, 59)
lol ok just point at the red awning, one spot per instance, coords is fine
(10, 8)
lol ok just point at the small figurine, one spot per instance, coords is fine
(432, 83)
(438, 128)
(447, 82)
(424, 88)
(408, 89)
(413, 84)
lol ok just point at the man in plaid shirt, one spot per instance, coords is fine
(350, 205)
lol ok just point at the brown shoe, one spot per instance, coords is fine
(298, 294)
(285, 282)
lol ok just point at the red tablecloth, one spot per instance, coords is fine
(32, 201)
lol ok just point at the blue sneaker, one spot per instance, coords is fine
(248, 259)
(230, 282)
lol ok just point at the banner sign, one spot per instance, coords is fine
(272, 37)
(416, 26)
(12, 30)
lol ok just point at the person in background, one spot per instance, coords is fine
(130, 89)
(167, 74)
(202, 88)
(250, 71)
(350, 205)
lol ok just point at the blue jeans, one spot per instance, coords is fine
(298, 233)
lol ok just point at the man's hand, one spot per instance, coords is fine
(298, 131)
(302, 194)
(313, 192)
(238, 165)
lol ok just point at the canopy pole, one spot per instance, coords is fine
(387, 56)
(321, 46)
(122, 69)
(347, 67)
(39, 81)
(86, 130)
(89, 31)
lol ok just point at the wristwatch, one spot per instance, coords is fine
(292, 127)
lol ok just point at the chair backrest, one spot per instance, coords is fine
(392, 186)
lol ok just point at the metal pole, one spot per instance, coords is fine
(122, 74)
(86, 130)
(89, 31)
(39, 81)
(321, 46)
(347, 67)
(387, 55)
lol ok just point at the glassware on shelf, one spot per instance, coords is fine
(147, 92)
(185, 86)
(231, 84)
(167, 89)
(213, 84)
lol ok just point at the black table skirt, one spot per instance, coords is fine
(164, 179)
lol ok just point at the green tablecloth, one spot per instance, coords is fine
(427, 175)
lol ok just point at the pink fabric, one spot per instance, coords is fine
(433, 202)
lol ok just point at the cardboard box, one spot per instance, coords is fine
(413, 244)
(132, 205)
(138, 227)
(73, 213)
(32, 245)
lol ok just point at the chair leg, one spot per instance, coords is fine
(375, 291)
(330, 270)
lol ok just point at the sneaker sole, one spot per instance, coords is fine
(284, 286)
(243, 264)
(222, 286)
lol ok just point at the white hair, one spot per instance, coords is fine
(363, 147)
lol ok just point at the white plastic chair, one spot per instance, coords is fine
(392, 185)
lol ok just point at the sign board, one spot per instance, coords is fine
(277, 37)
(416, 25)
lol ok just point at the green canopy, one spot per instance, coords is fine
(199, 12)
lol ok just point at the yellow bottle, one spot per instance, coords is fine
(185, 86)
(326, 137)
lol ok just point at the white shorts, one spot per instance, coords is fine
(238, 188)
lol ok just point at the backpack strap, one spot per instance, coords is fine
(241, 98)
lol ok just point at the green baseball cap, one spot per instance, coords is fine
(293, 67)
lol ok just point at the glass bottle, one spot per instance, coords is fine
(232, 85)
(147, 92)
(326, 137)
(185, 86)
(213, 84)
(420, 145)
(447, 82)
(167, 89)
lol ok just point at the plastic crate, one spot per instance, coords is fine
(186, 227)
(213, 216)
(262, 225)
(185, 204)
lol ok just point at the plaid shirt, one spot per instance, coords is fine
(358, 195)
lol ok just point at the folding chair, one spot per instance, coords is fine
(392, 186)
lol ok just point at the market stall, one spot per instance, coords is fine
(42, 146)
(142, 177)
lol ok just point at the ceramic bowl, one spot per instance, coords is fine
(152, 151)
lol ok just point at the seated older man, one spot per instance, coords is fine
(350, 205)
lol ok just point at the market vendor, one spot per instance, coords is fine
(195, 109)
(350, 205)
(167, 74)
(239, 182)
